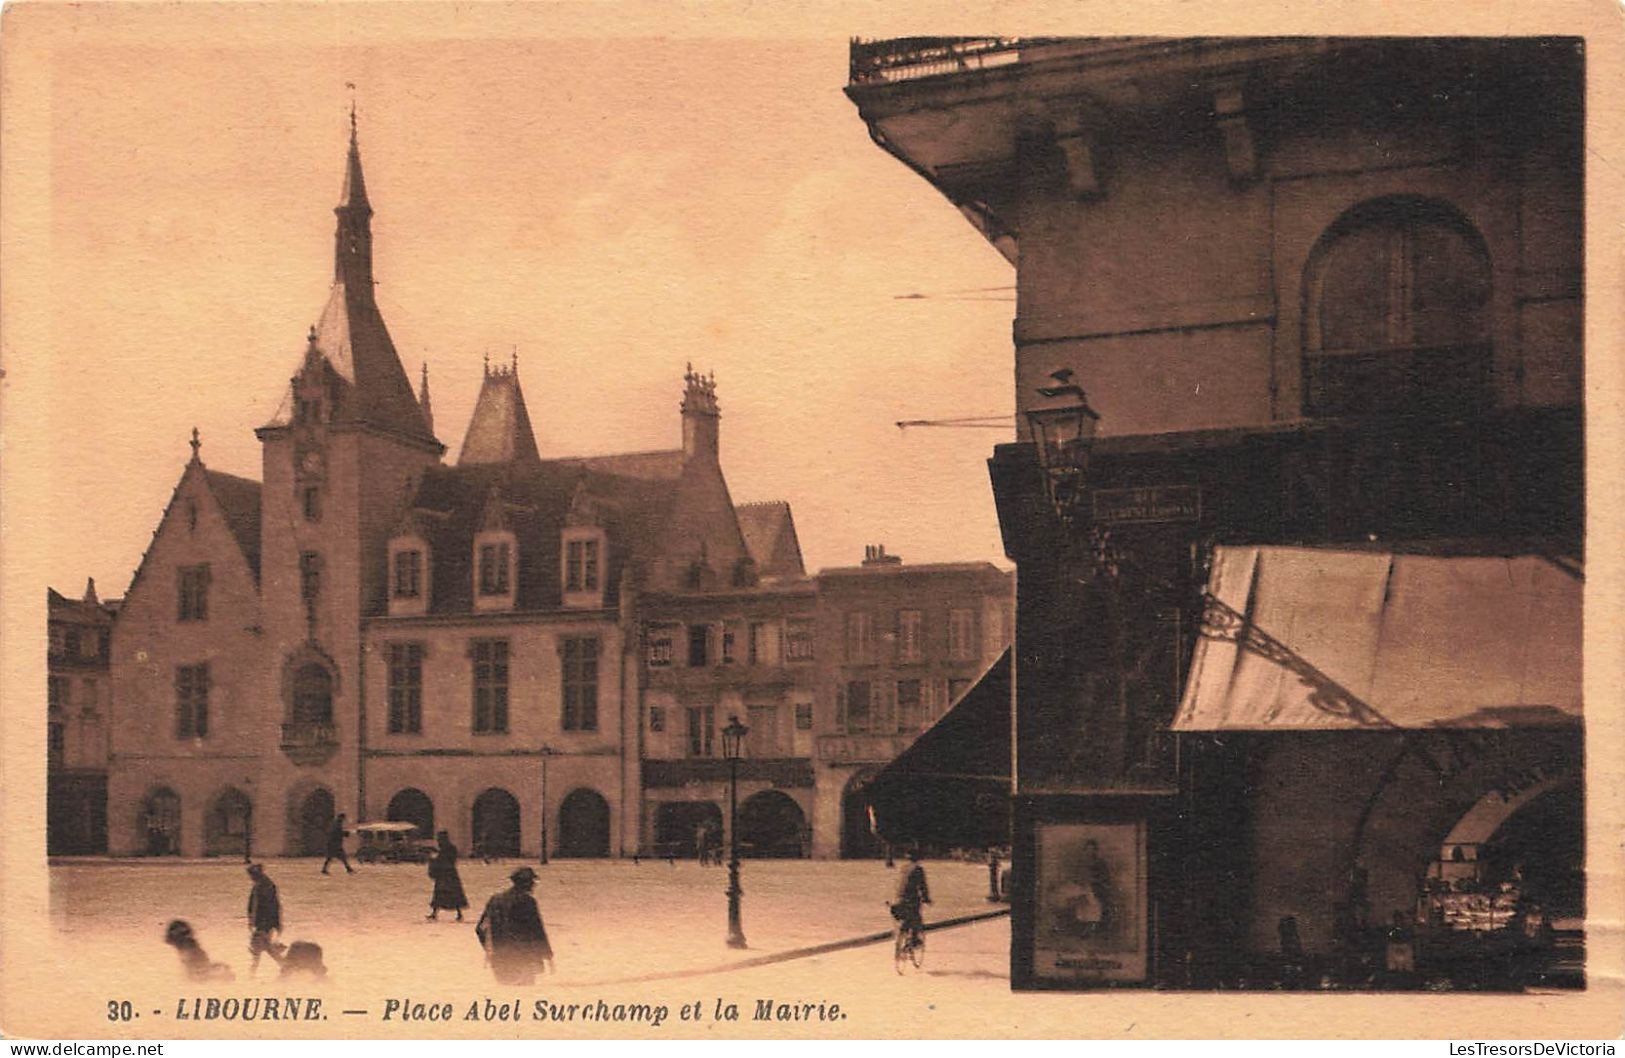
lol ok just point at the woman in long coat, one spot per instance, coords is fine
(448, 884)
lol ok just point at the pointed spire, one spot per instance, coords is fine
(355, 186)
(515, 367)
(423, 399)
(197, 444)
(90, 591)
(352, 252)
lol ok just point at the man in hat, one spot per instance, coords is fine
(912, 893)
(264, 916)
(511, 932)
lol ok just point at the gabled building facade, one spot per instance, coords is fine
(534, 652)
(79, 702)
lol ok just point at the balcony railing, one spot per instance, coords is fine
(909, 58)
(310, 742)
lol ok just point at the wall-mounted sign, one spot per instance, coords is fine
(1089, 918)
(1152, 503)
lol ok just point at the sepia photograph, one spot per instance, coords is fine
(525, 524)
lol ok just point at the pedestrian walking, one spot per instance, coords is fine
(264, 917)
(448, 884)
(335, 845)
(511, 932)
(194, 960)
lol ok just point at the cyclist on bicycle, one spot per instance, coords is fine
(911, 894)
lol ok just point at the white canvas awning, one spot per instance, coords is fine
(1299, 639)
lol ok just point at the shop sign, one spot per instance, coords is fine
(1151, 503)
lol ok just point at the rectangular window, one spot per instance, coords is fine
(310, 576)
(910, 626)
(910, 706)
(87, 696)
(804, 716)
(73, 646)
(860, 637)
(57, 747)
(494, 569)
(406, 688)
(580, 683)
(961, 634)
(859, 715)
(699, 643)
(408, 574)
(56, 692)
(729, 649)
(311, 499)
(581, 565)
(192, 701)
(660, 650)
(657, 718)
(702, 722)
(194, 593)
(490, 686)
(763, 740)
(798, 641)
(764, 644)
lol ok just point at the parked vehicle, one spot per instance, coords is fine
(392, 843)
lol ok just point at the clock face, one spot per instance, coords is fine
(311, 462)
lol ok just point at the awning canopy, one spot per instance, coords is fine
(1299, 639)
(952, 785)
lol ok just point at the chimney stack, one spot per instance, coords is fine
(875, 555)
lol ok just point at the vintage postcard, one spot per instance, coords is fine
(584, 521)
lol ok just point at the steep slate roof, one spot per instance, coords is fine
(239, 500)
(451, 501)
(371, 385)
(770, 536)
(499, 431)
(666, 464)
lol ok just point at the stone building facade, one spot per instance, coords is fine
(532, 653)
(1325, 297)
(79, 701)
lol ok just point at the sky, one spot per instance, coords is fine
(611, 208)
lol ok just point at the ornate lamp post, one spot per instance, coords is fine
(546, 751)
(1063, 429)
(733, 742)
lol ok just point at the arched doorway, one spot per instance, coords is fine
(772, 825)
(412, 805)
(496, 823)
(678, 825)
(858, 837)
(160, 822)
(311, 818)
(1534, 839)
(312, 695)
(584, 824)
(225, 825)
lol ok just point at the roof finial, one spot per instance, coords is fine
(197, 443)
(351, 86)
(515, 360)
(488, 362)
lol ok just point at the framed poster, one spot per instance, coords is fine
(1089, 920)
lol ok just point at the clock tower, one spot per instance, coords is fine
(349, 433)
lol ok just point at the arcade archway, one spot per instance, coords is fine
(772, 825)
(225, 825)
(160, 822)
(496, 823)
(583, 824)
(310, 819)
(412, 805)
(678, 825)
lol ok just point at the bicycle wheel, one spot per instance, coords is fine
(900, 953)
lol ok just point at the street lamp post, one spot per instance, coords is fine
(547, 751)
(733, 741)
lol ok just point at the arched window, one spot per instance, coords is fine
(312, 695)
(1396, 317)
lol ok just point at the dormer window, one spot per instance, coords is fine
(494, 570)
(582, 566)
(408, 574)
(494, 561)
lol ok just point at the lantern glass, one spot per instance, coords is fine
(733, 739)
